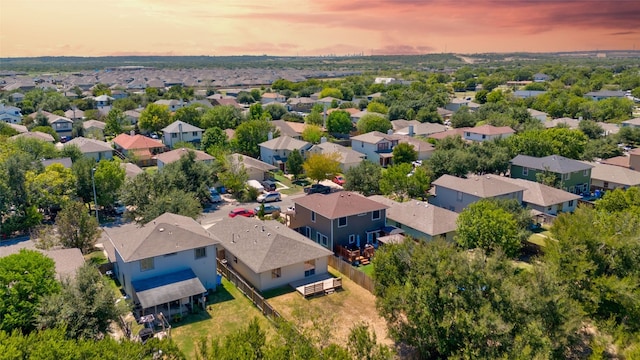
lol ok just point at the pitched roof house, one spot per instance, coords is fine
(95, 149)
(571, 175)
(268, 254)
(347, 157)
(256, 169)
(35, 135)
(171, 258)
(179, 131)
(378, 146)
(543, 198)
(139, 147)
(341, 218)
(456, 193)
(276, 151)
(610, 177)
(169, 157)
(487, 133)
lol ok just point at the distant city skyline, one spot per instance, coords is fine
(313, 27)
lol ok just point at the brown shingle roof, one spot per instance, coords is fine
(338, 204)
(422, 216)
(485, 186)
(175, 155)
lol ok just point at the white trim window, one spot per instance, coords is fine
(321, 239)
(276, 273)
(146, 264)
(342, 222)
(307, 231)
(459, 196)
(313, 216)
(376, 215)
(525, 171)
(200, 252)
(352, 239)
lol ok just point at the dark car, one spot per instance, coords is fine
(241, 212)
(268, 209)
(269, 185)
(317, 189)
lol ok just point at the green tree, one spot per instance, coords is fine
(47, 130)
(115, 122)
(214, 137)
(109, 178)
(175, 201)
(322, 166)
(404, 153)
(314, 118)
(76, 228)
(154, 117)
(339, 121)
(294, 163)
(395, 180)
(223, 117)
(373, 122)
(463, 118)
(312, 134)
(276, 111)
(25, 278)
(250, 134)
(189, 114)
(419, 182)
(51, 188)
(234, 176)
(591, 128)
(485, 225)
(548, 178)
(256, 95)
(377, 107)
(100, 89)
(85, 307)
(331, 92)
(364, 178)
(256, 112)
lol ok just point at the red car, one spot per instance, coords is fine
(339, 179)
(241, 212)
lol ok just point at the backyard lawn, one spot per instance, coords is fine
(291, 188)
(367, 269)
(329, 318)
(227, 311)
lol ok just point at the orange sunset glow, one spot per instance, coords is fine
(306, 27)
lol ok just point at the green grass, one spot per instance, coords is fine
(228, 310)
(151, 169)
(96, 258)
(538, 239)
(367, 269)
(292, 188)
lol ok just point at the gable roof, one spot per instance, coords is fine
(250, 162)
(375, 137)
(450, 132)
(422, 128)
(129, 142)
(422, 216)
(89, 145)
(347, 155)
(554, 163)
(338, 204)
(131, 170)
(285, 128)
(491, 130)
(634, 122)
(285, 143)
(265, 245)
(18, 128)
(166, 234)
(615, 174)
(540, 194)
(174, 127)
(65, 161)
(175, 155)
(94, 123)
(485, 186)
(35, 135)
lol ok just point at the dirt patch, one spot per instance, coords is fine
(329, 318)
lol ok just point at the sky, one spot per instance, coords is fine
(313, 27)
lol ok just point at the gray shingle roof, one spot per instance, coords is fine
(540, 194)
(338, 204)
(554, 163)
(485, 186)
(285, 143)
(265, 245)
(250, 162)
(168, 233)
(422, 216)
(89, 145)
(174, 127)
(615, 174)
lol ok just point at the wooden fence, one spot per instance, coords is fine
(352, 273)
(248, 291)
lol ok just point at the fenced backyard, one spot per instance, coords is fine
(357, 276)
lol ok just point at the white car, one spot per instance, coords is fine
(269, 197)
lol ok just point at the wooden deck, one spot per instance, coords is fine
(317, 284)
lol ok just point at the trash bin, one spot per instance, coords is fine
(218, 280)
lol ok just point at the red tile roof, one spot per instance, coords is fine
(129, 142)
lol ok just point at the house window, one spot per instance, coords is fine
(342, 222)
(309, 268)
(525, 171)
(146, 264)
(194, 134)
(375, 215)
(307, 231)
(352, 239)
(585, 172)
(484, 136)
(170, 254)
(201, 252)
(361, 144)
(605, 185)
(383, 146)
(459, 196)
(276, 273)
(313, 216)
(174, 136)
(571, 202)
(566, 176)
(235, 259)
(321, 239)
(467, 134)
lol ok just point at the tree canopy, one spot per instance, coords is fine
(322, 166)
(154, 117)
(339, 122)
(373, 122)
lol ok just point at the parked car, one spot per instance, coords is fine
(214, 196)
(268, 209)
(269, 197)
(339, 179)
(269, 185)
(317, 189)
(241, 212)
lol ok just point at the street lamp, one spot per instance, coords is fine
(95, 198)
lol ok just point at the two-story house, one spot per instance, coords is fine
(92, 148)
(347, 157)
(103, 100)
(62, 125)
(168, 262)
(180, 131)
(545, 199)
(341, 218)
(571, 175)
(378, 146)
(487, 133)
(138, 148)
(169, 157)
(10, 114)
(455, 194)
(268, 254)
(276, 151)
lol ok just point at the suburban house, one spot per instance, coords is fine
(327, 101)
(540, 77)
(300, 104)
(610, 177)
(103, 100)
(132, 116)
(169, 157)
(604, 94)
(545, 199)
(139, 148)
(172, 104)
(451, 132)
(256, 169)
(65, 161)
(268, 254)
(456, 103)
(94, 128)
(18, 128)
(416, 128)
(455, 194)
(341, 218)
(286, 129)
(180, 131)
(635, 123)
(10, 114)
(571, 175)
(270, 98)
(67, 261)
(131, 170)
(348, 158)
(378, 146)
(169, 261)
(524, 94)
(540, 115)
(487, 133)
(630, 161)
(92, 148)
(17, 97)
(35, 135)
(74, 114)
(420, 220)
(276, 151)
(62, 125)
